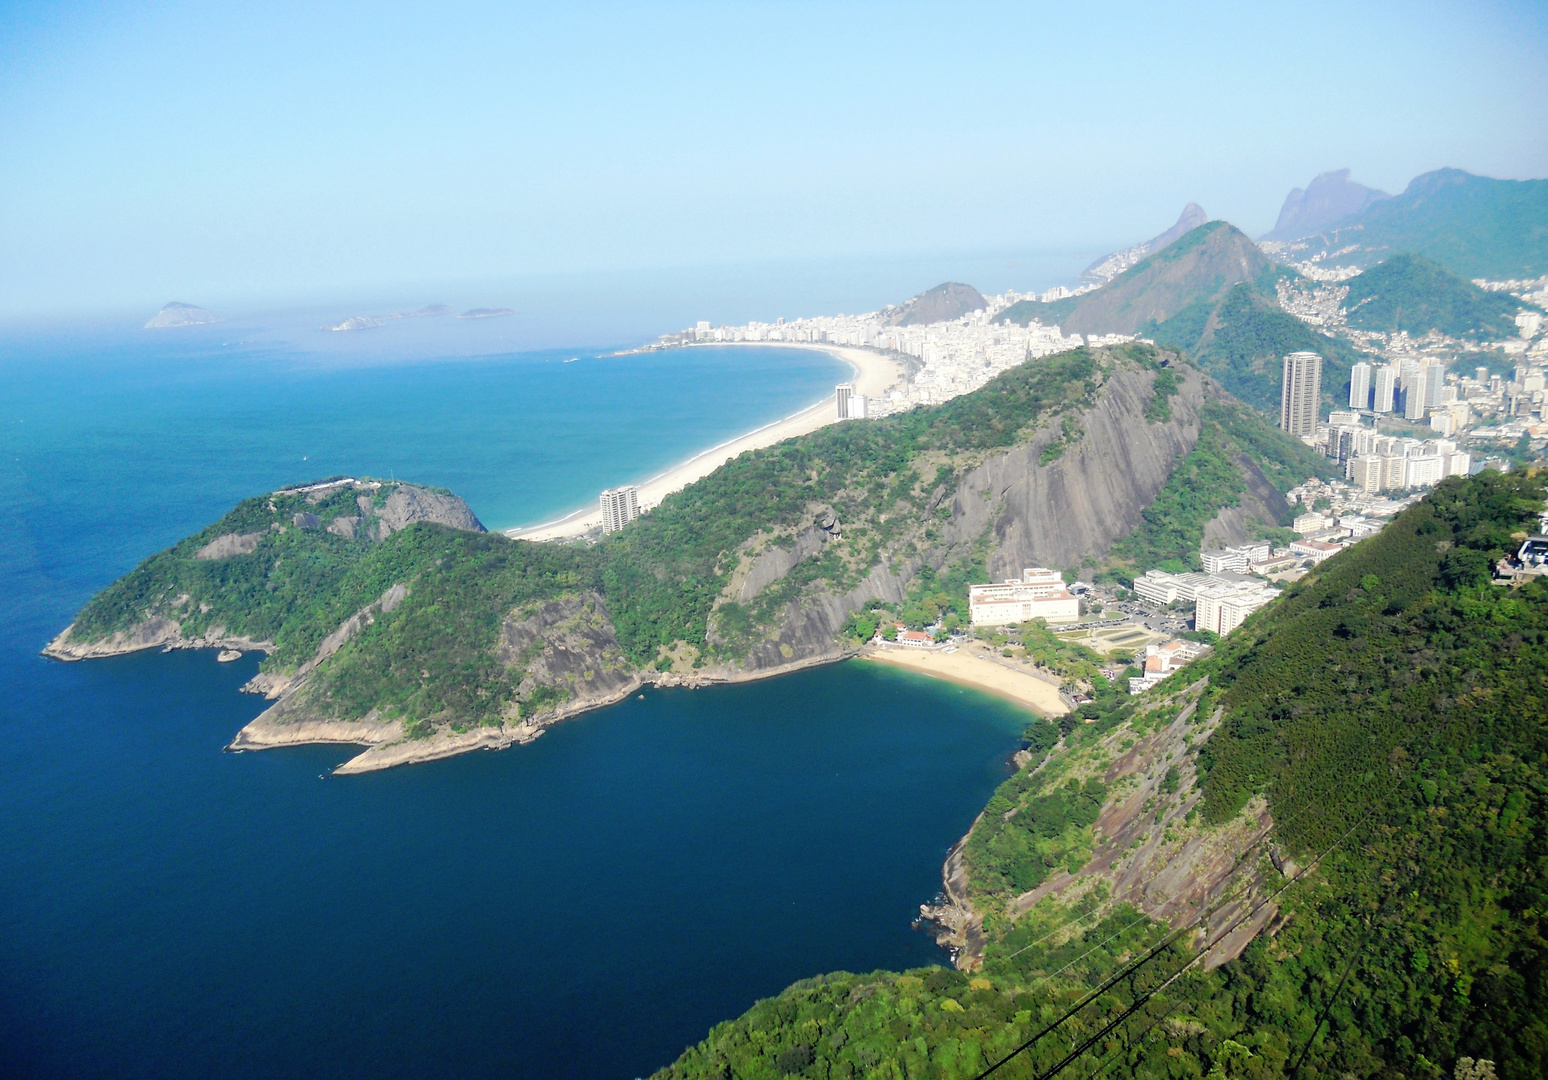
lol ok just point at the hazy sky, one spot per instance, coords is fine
(263, 152)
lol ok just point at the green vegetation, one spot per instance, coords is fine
(1393, 710)
(1240, 339)
(1474, 226)
(1412, 294)
(435, 658)
(1210, 479)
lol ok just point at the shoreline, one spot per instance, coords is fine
(873, 375)
(967, 669)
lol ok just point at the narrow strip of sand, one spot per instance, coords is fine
(979, 672)
(874, 375)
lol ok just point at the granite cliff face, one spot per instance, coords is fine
(1054, 513)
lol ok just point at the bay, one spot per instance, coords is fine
(586, 905)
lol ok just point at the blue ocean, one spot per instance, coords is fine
(585, 906)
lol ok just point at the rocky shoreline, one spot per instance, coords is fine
(387, 743)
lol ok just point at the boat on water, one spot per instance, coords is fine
(572, 360)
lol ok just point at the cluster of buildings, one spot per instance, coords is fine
(949, 358)
(1222, 599)
(1163, 659)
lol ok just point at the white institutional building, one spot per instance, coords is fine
(1038, 594)
(620, 505)
(1300, 393)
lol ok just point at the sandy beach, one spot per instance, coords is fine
(972, 669)
(874, 375)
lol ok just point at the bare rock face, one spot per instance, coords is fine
(1053, 514)
(408, 504)
(568, 643)
(224, 547)
(1261, 504)
(774, 562)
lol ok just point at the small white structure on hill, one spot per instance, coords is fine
(1039, 594)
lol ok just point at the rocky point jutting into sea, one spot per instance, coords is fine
(391, 620)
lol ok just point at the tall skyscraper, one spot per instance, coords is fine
(1300, 393)
(620, 505)
(1386, 385)
(1360, 386)
(843, 392)
(1434, 378)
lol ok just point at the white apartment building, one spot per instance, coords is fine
(1385, 393)
(1233, 558)
(620, 505)
(1222, 608)
(1300, 393)
(1315, 550)
(1360, 386)
(1038, 594)
(842, 394)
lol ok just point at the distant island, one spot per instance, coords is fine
(356, 322)
(486, 313)
(176, 314)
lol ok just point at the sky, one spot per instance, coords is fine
(276, 153)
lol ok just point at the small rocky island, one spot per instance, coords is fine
(176, 314)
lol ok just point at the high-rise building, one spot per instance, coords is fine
(843, 392)
(1434, 379)
(1386, 384)
(1360, 386)
(1413, 399)
(620, 505)
(1300, 393)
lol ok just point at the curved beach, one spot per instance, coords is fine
(874, 375)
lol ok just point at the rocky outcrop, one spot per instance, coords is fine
(1056, 513)
(408, 504)
(567, 644)
(224, 547)
(1149, 855)
(1261, 505)
(153, 633)
(1074, 508)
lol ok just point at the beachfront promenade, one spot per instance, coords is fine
(875, 374)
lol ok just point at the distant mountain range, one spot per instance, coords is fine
(1474, 226)
(1327, 200)
(948, 300)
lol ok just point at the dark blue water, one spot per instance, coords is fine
(587, 905)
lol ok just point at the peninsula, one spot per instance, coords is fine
(391, 621)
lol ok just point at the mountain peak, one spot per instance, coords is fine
(948, 300)
(1327, 200)
(1110, 266)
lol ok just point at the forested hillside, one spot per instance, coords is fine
(1474, 226)
(1410, 293)
(778, 557)
(1212, 296)
(1359, 772)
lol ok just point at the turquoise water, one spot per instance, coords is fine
(584, 906)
